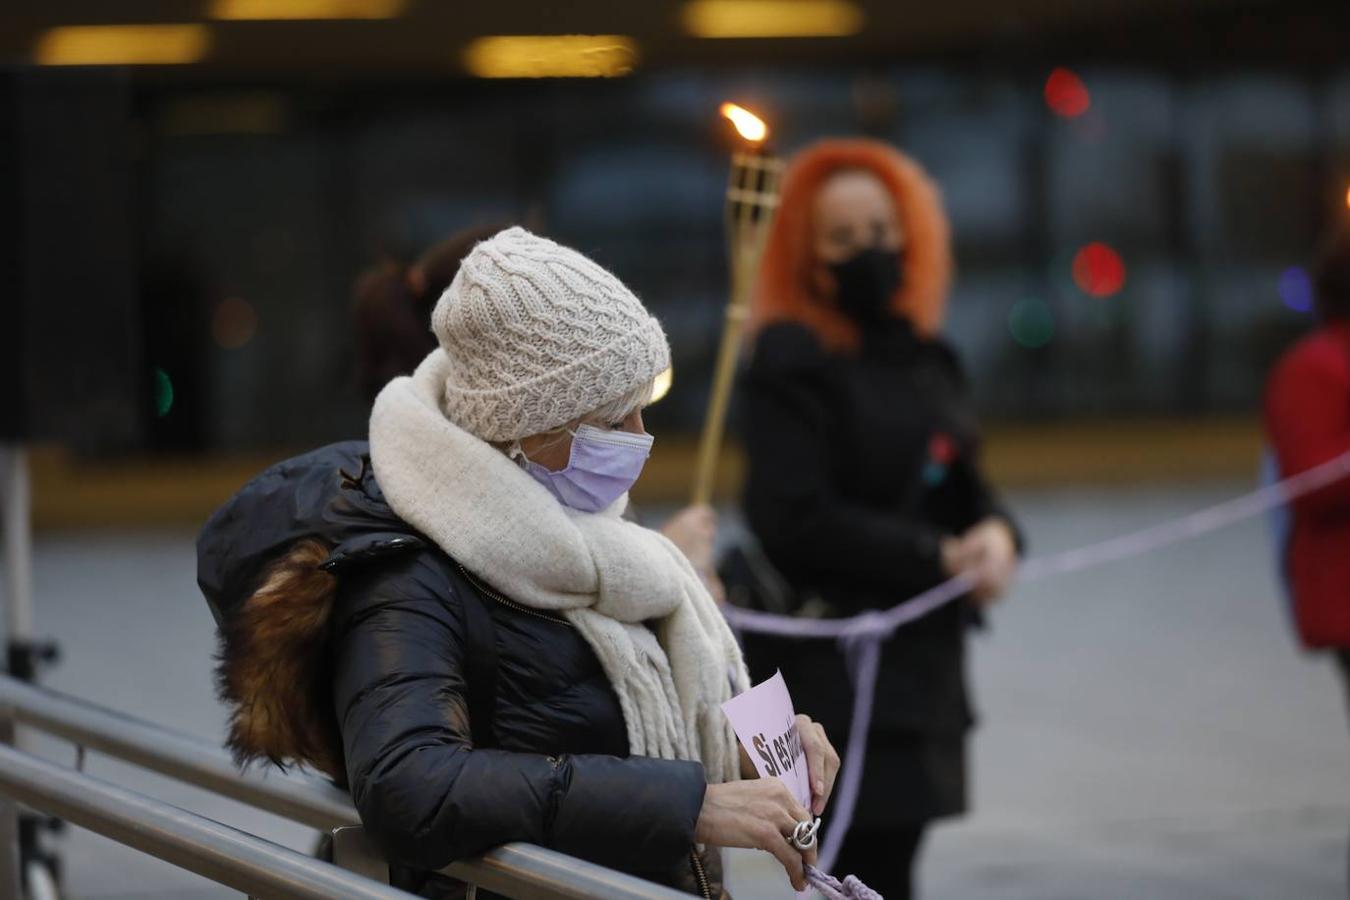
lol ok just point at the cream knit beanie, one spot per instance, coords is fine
(537, 336)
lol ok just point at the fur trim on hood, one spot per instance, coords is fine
(274, 669)
(268, 562)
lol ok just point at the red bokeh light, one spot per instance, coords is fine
(1066, 95)
(1098, 270)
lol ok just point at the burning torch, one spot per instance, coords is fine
(752, 198)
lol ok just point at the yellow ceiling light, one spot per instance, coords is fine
(771, 18)
(551, 56)
(255, 10)
(122, 45)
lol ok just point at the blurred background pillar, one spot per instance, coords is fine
(68, 348)
(68, 352)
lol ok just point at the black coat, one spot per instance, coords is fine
(859, 464)
(402, 655)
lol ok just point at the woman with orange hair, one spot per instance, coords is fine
(864, 486)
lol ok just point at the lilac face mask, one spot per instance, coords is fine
(603, 465)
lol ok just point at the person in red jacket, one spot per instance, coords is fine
(1307, 414)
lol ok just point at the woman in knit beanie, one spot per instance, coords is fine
(506, 658)
(391, 316)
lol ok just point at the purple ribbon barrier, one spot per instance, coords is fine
(861, 636)
(834, 889)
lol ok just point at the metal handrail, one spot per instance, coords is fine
(526, 870)
(221, 853)
(296, 797)
(517, 869)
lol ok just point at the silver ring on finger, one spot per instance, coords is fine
(803, 837)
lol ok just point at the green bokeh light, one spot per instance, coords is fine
(163, 392)
(1031, 323)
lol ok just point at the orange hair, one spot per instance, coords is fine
(784, 289)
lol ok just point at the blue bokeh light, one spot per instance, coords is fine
(1296, 289)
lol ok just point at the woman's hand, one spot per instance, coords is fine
(989, 552)
(953, 556)
(757, 815)
(694, 529)
(822, 762)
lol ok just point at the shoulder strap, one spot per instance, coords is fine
(481, 655)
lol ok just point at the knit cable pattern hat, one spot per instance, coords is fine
(538, 336)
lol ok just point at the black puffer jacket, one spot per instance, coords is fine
(382, 641)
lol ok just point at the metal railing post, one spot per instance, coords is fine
(17, 542)
(11, 879)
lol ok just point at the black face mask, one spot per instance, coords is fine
(865, 283)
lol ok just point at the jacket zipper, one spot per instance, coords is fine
(699, 874)
(509, 604)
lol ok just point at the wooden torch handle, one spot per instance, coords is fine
(714, 424)
(744, 262)
(752, 197)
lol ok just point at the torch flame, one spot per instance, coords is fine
(750, 126)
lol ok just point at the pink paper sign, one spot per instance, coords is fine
(764, 720)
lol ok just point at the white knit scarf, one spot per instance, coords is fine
(631, 594)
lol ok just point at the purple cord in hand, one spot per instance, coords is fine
(834, 889)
